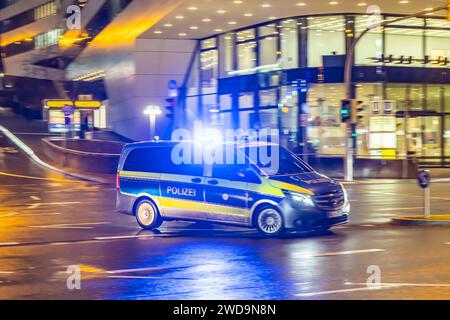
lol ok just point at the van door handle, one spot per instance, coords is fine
(196, 180)
(213, 182)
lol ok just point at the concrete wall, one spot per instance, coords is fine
(85, 155)
(156, 62)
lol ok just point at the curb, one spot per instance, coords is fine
(30, 153)
(442, 220)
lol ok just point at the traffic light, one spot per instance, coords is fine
(357, 108)
(346, 108)
(170, 108)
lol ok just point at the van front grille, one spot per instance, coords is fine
(330, 201)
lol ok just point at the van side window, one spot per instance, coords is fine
(235, 172)
(158, 160)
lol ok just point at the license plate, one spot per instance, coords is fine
(334, 214)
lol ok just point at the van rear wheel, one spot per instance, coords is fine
(270, 222)
(147, 215)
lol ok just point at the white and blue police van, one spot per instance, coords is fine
(294, 197)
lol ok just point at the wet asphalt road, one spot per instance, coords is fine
(49, 222)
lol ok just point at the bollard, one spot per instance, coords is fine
(424, 180)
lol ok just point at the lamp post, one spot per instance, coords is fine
(152, 112)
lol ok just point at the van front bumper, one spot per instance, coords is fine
(310, 218)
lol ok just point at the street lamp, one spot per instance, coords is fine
(152, 112)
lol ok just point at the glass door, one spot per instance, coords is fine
(425, 136)
(431, 136)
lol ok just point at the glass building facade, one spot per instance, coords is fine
(288, 73)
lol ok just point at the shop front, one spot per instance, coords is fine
(78, 116)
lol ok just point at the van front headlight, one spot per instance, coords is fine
(301, 198)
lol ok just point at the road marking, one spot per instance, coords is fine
(380, 286)
(320, 293)
(387, 284)
(37, 205)
(344, 253)
(7, 272)
(80, 241)
(33, 178)
(43, 214)
(8, 244)
(137, 270)
(148, 277)
(71, 225)
(36, 198)
(61, 243)
(135, 277)
(396, 209)
(62, 227)
(123, 237)
(9, 215)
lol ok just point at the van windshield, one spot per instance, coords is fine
(286, 163)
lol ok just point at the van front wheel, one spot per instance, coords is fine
(270, 222)
(147, 215)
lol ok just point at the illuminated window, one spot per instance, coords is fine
(289, 44)
(226, 54)
(246, 56)
(209, 64)
(437, 43)
(45, 10)
(268, 98)
(48, 38)
(405, 33)
(209, 43)
(245, 35)
(326, 37)
(370, 47)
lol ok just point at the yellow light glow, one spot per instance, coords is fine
(58, 103)
(71, 38)
(123, 31)
(88, 104)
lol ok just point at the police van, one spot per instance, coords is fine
(151, 187)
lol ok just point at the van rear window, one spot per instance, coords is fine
(158, 160)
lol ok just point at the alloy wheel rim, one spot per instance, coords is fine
(146, 214)
(270, 221)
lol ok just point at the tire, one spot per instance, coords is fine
(269, 222)
(147, 215)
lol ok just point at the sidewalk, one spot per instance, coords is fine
(32, 133)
